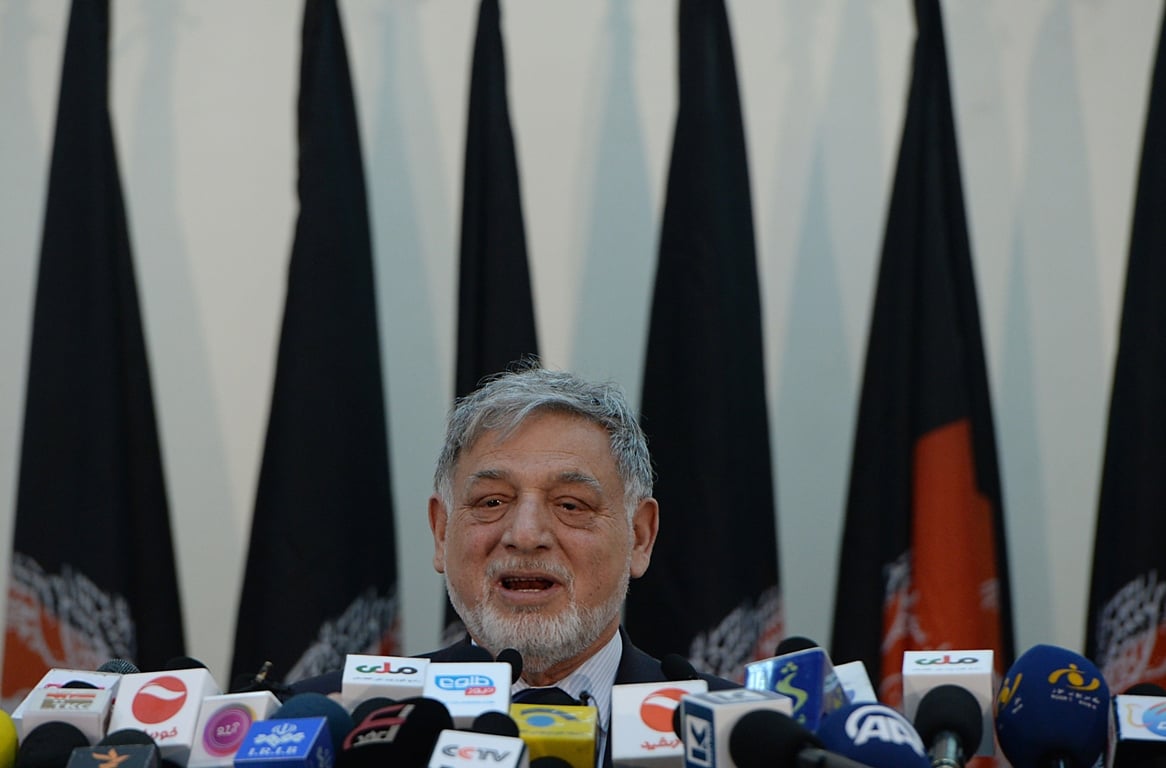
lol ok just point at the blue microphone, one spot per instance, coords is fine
(874, 735)
(1052, 710)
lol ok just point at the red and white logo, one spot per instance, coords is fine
(159, 700)
(657, 708)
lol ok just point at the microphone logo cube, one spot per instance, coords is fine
(302, 742)
(698, 741)
(395, 677)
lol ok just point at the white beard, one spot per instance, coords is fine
(543, 639)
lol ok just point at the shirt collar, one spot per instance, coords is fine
(591, 683)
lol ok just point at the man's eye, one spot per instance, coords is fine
(492, 503)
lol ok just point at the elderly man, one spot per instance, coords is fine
(541, 515)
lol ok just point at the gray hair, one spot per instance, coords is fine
(506, 400)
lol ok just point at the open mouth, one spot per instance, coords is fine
(526, 583)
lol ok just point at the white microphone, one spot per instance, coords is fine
(708, 720)
(1137, 731)
(165, 705)
(57, 677)
(924, 671)
(806, 676)
(393, 677)
(641, 723)
(85, 708)
(469, 688)
(223, 722)
(467, 749)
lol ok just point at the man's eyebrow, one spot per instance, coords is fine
(581, 478)
(486, 474)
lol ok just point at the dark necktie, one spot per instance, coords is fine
(548, 696)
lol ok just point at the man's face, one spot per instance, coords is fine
(537, 549)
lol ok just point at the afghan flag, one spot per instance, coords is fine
(923, 563)
(495, 324)
(321, 578)
(1126, 632)
(92, 571)
(712, 591)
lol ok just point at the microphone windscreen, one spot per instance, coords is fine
(950, 708)
(468, 652)
(80, 684)
(119, 667)
(1145, 689)
(1052, 705)
(312, 704)
(875, 735)
(126, 736)
(497, 723)
(512, 657)
(549, 761)
(792, 644)
(8, 741)
(764, 738)
(50, 745)
(676, 667)
(400, 734)
(362, 710)
(182, 662)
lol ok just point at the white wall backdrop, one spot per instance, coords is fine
(1050, 101)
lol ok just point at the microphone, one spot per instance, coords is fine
(127, 748)
(641, 723)
(396, 677)
(85, 708)
(709, 719)
(312, 704)
(165, 705)
(497, 723)
(119, 667)
(468, 689)
(765, 738)
(806, 676)
(949, 719)
(855, 682)
(676, 667)
(1137, 728)
(295, 742)
(467, 749)
(564, 731)
(223, 721)
(794, 643)
(512, 657)
(875, 735)
(970, 670)
(58, 678)
(402, 733)
(49, 745)
(8, 741)
(1052, 710)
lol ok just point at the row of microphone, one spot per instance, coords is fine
(1052, 710)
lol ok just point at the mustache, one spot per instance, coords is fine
(561, 573)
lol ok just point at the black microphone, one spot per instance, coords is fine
(794, 643)
(765, 738)
(951, 724)
(119, 667)
(676, 667)
(514, 659)
(497, 723)
(50, 745)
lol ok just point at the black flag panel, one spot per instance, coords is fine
(495, 310)
(712, 590)
(92, 572)
(1126, 630)
(321, 570)
(923, 563)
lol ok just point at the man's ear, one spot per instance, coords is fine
(645, 526)
(438, 517)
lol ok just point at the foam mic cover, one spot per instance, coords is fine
(765, 738)
(468, 653)
(122, 756)
(549, 761)
(676, 667)
(497, 723)
(364, 708)
(312, 704)
(400, 734)
(514, 659)
(950, 723)
(874, 735)
(8, 741)
(1052, 706)
(182, 662)
(49, 746)
(794, 643)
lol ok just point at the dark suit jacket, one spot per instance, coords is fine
(635, 666)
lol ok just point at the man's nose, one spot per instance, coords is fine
(529, 525)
